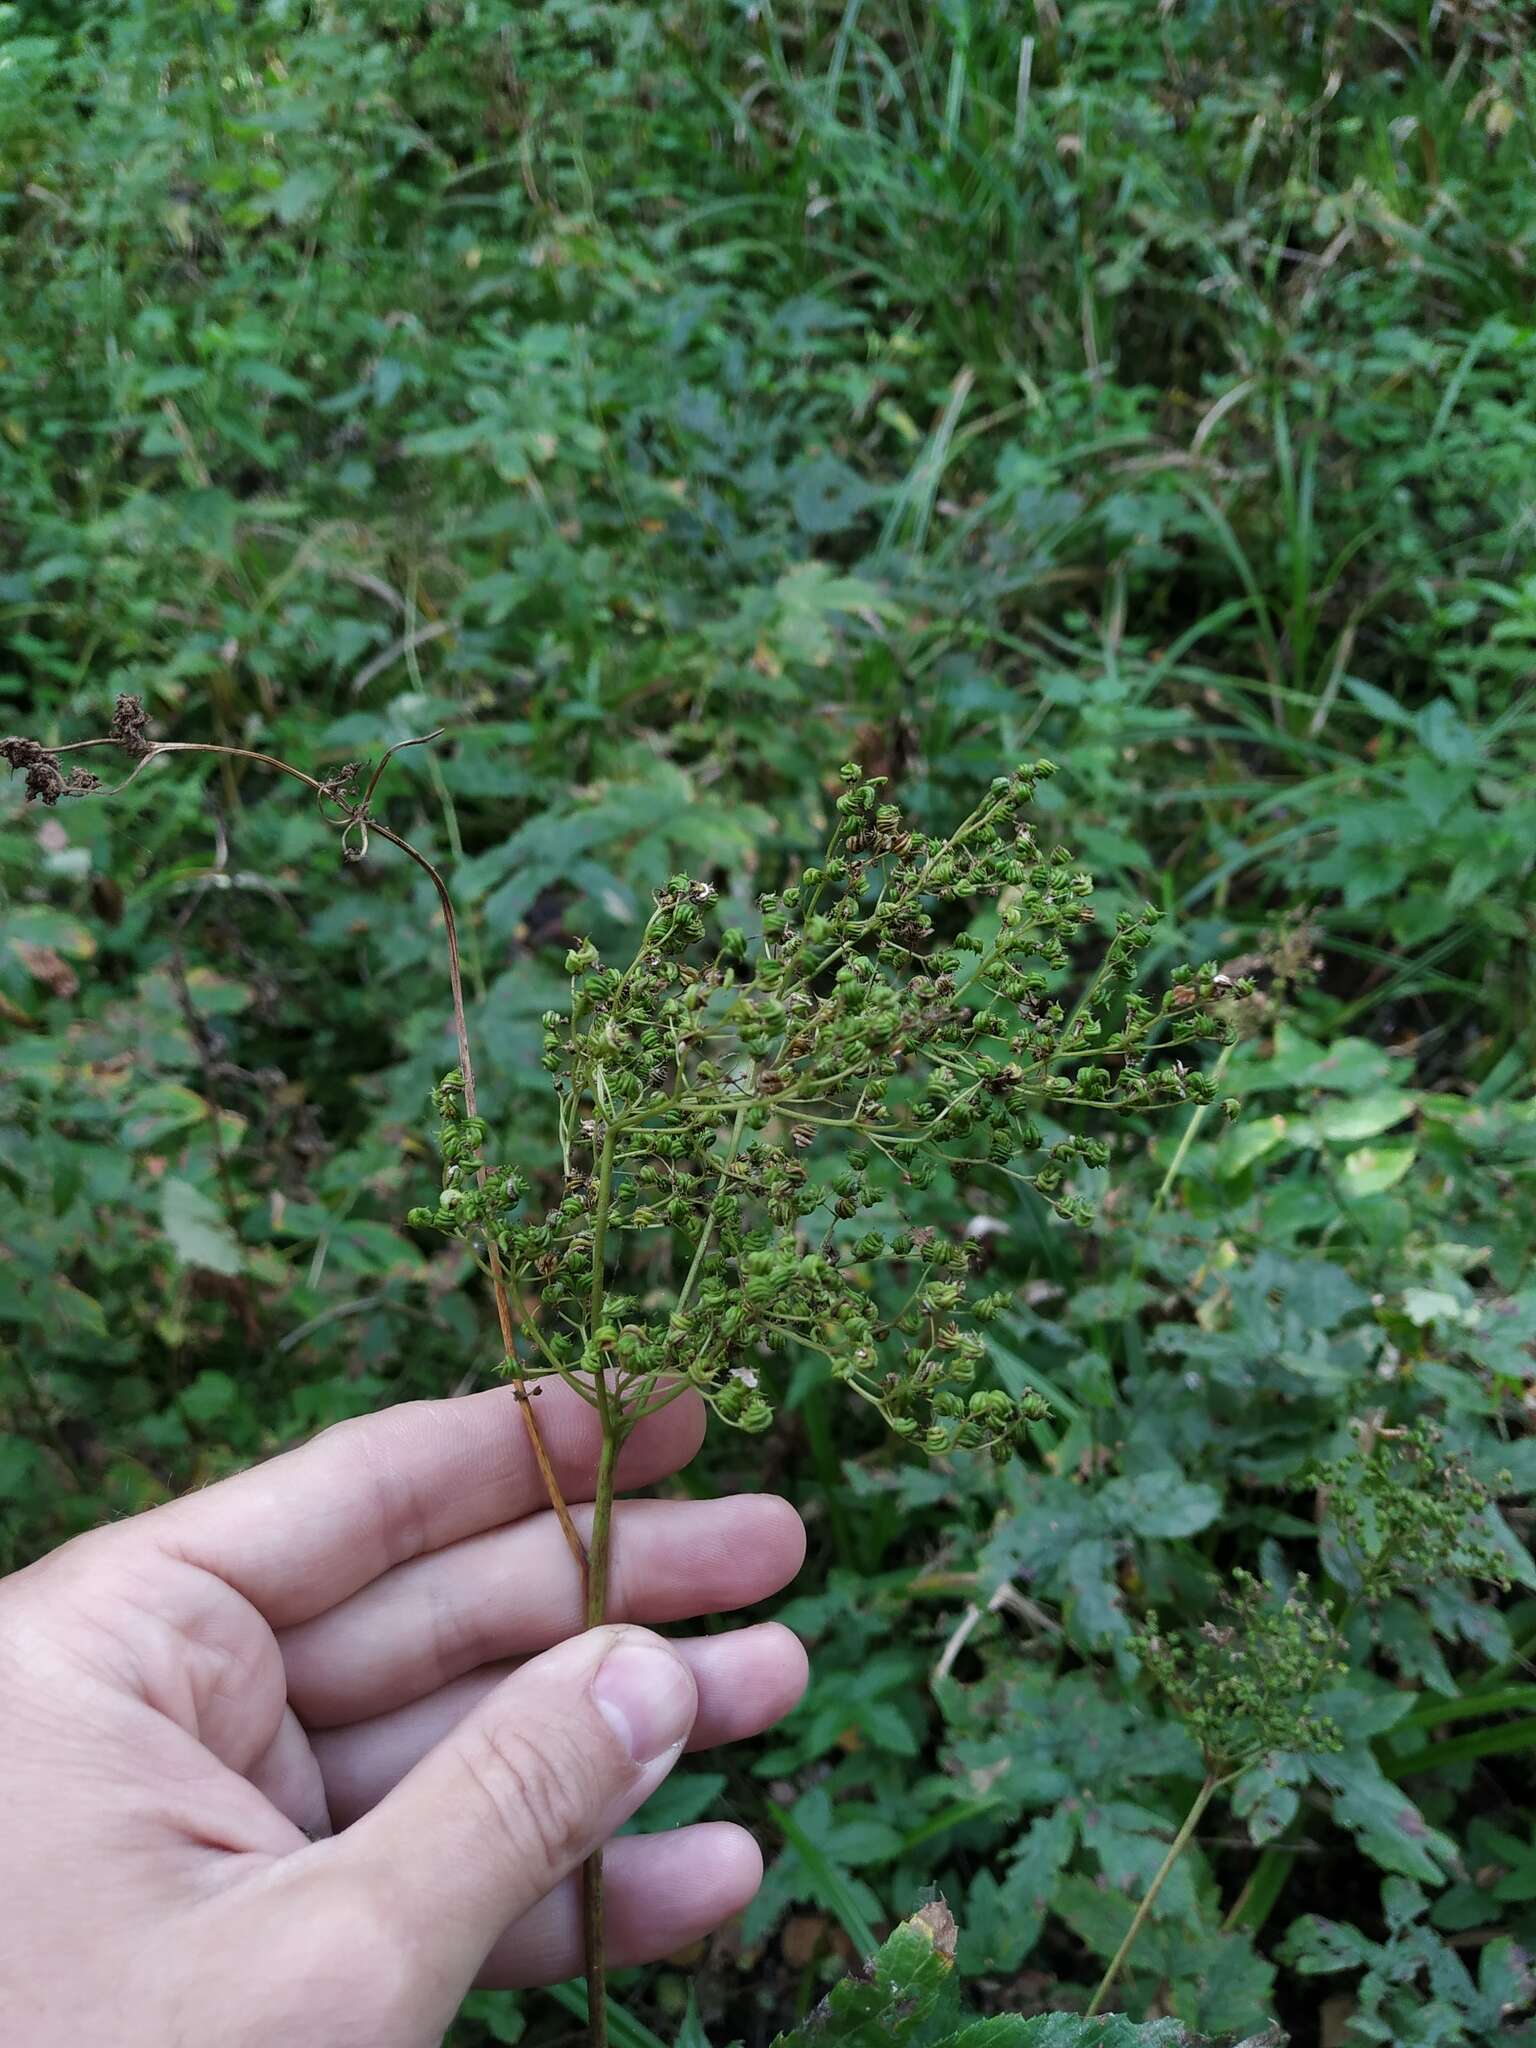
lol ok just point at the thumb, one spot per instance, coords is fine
(536, 1777)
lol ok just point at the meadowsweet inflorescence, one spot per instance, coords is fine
(760, 1101)
(1244, 1686)
(1407, 1513)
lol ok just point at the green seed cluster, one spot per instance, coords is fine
(475, 1200)
(1406, 1513)
(1243, 1686)
(733, 1109)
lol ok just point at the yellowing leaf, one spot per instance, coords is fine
(1375, 1168)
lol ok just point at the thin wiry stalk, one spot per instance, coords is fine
(493, 1258)
(354, 824)
(611, 1419)
(1176, 1848)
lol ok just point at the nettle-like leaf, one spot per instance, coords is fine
(1004, 1916)
(1069, 1542)
(907, 1997)
(1412, 1985)
(1386, 1823)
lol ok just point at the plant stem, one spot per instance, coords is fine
(1176, 1849)
(707, 1233)
(358, 816)
(599, 1549)
(493, 1257)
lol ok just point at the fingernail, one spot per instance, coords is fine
(647, 1698)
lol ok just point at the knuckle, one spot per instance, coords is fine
(459, 1633)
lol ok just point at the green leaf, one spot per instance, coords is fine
(1250, 1142)
(499, 2013)
(300, 194)
(198, 1233)
(211, 1395)
(1003, 1919)
(1349, 1118)
(908, 1998)
(1160, 1504)
(1374, 1169)
(909, 1986)
(1268, 1794)
(828, 496)
(692, 2032)
(829, 1883)
(683, 1798)
(1318, 1947)
(1383, 1819)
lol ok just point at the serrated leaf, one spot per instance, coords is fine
(1317, 1947)
(1004, 1919)
(1268, 1794)
(1160, 1504)
(1383, 1819)
(909, 1984)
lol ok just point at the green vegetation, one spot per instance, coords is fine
(672, 403)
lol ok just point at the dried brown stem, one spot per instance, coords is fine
(355, 817)
(557, 1500)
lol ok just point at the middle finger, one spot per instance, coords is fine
(513, 1592)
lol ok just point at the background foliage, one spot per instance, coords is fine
(674, 401)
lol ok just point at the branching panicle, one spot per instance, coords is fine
(1407, 1513)
(753, 1101)
(1244, 1686)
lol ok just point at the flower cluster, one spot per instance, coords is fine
(1406, 1513)
(474, 1201)
(1243, 1686)
(752, 1112)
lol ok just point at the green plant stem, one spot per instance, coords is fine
(600, 1226)
(1176, 1849)
(707, 1233)
(1176, 1164)
(599, 1548)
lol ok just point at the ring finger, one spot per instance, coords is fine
(512, 1592)
(746, 1681)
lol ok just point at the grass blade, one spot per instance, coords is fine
(831, 1886)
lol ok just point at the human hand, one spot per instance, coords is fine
(328, 1647)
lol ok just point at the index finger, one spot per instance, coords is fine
(307, 1529)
